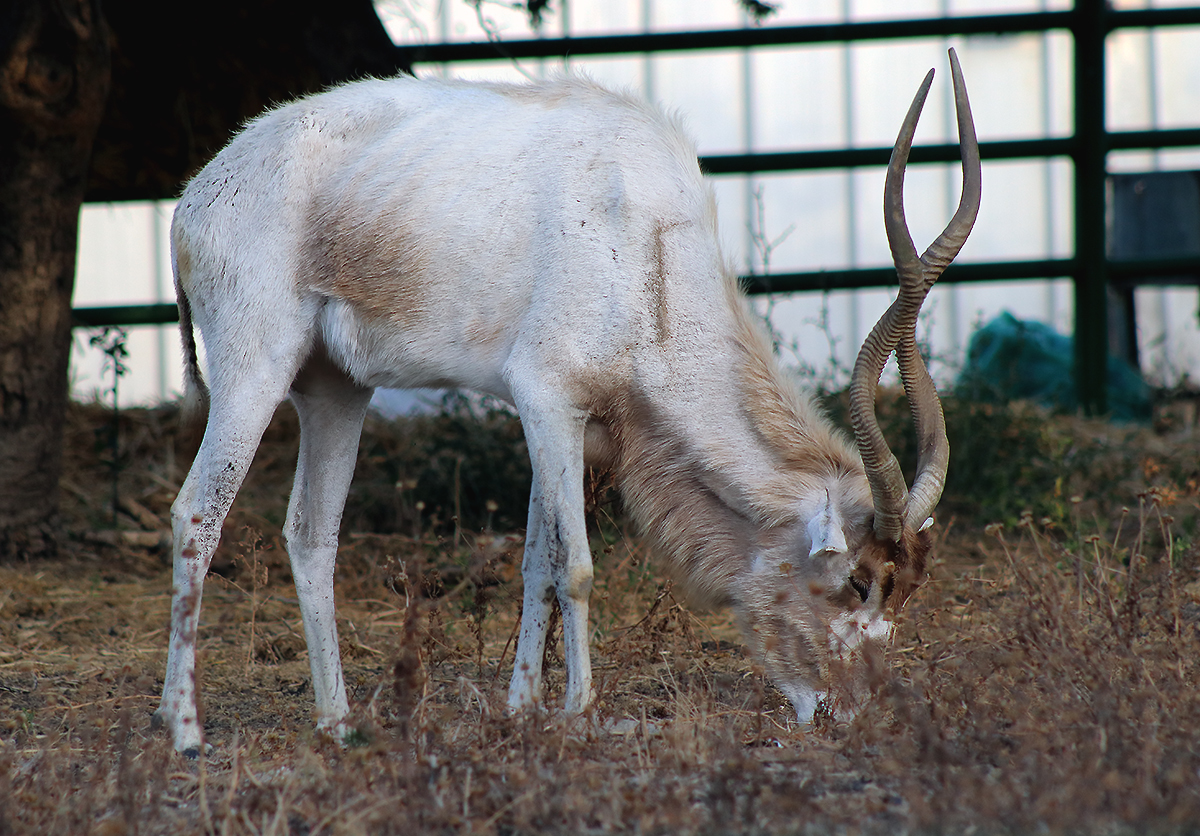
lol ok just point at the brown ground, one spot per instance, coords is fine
(1044, 679)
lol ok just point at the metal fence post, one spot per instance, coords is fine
(1088, 21)
(1089, 28)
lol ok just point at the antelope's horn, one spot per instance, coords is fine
(896, 330)
(934, 447)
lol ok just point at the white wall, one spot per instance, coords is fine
(124, 259)
(800, 98)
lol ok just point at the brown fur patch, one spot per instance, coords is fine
(657, 283)
(371, 263)
(899, 568)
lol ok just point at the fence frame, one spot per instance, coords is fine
(1089, 23)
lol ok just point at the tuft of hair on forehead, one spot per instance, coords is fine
(900, 567)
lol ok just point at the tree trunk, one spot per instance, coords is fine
(54, 76)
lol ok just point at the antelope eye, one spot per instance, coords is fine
(863, 588)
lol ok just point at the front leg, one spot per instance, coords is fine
(525, 690)
(558, 560)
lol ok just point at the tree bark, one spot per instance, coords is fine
(54, 79)
(186, 76)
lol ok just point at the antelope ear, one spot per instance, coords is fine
(827, 530)
(927, 524)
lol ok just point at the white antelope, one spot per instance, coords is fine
(554, 245)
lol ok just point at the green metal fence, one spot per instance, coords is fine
(1089, 23)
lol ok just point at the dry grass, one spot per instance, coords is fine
(1043, 681)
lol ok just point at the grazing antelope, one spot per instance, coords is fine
(554, 245)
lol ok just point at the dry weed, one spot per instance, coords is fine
(1043, 681)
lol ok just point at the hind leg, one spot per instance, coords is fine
(237, 418)
(331, 409)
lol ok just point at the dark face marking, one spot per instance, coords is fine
(856, 590)
(863, 588)
(898, 568)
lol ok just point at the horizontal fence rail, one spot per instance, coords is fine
(1088, 23)
(110, 315)
(1012, 149)
(768, 36)
(860, 278)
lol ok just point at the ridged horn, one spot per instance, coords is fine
(895, 506)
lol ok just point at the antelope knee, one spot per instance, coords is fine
(577, 582)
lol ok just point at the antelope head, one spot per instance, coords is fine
(868, 555)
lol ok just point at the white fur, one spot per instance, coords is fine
(827, 530)
(848, 630)
(554, 246)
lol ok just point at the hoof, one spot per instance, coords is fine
(192, 753)
(159, 722)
